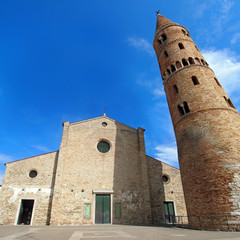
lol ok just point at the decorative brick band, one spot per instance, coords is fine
(184, 67)
(204, 110)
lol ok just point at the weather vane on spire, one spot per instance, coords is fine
(157, 12)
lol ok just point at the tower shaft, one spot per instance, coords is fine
(206, 125)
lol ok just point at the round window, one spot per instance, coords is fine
(103, 146)
(33, 174)
(104, 124)
(165, 178)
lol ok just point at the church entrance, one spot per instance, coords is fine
(25, 212)
(169, 212)
(103, 210)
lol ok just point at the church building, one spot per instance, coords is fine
(101, 174)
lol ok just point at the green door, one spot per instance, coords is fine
(169, 213)
(103, 212)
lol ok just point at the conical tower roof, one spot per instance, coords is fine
(161, 21)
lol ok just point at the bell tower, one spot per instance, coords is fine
(206, 125)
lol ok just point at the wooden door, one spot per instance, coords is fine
(103, 209)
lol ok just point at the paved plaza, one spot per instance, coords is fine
(115, 232)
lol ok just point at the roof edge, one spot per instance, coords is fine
(102, 117)
(30, 157)
(162, 162)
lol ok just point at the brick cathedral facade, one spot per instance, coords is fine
(101, 174)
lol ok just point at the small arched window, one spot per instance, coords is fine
(191, 61)
(202, 61)
(166, 53)
(181, 111)
(183, 108)
(169, 72)
(160, 41)
(197, 61)
(175, 89)
(178, 65)
(195, 80)
(164, 76)
(184, 32)
(197, 48)
(181, 46)
(229, 102)
(173, 68)
(164, 37)
(186, 108)
(218, 83)
(185, 62)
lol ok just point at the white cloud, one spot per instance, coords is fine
(226, 6)
(4, 158)
(141, 44)
(42, 148)
(218, 14)
(236, 38)
(223, 15)
(158, 92)
(167, 153)
(222, 11)
(226, 67)
(201, 8)
(155, 85)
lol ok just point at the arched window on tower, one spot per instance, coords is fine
(195, 80)
(191, 60)
(197, 61)
(181, 111)
(218, 83)
(183, 108)
(203, 62)
(169, 72)
(164, 76)
(229, 102)
(178, 65)
(166, 53)
(181, 46)
(173, 68)
(197, 48)
(164, 37)
(185, 62)
(175, 89)
(186, 108)
(184, 32)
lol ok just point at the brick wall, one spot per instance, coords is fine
(18, 185)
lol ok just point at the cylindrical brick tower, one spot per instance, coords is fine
(207, 129)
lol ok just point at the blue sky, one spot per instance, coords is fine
(67, 60)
